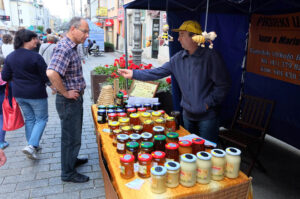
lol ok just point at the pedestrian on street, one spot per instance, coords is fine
(7, 46)
(46, 49)
(27, 70)
(202, 78)
(90, 44)
(65, 73)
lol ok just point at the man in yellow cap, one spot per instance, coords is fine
(202, 78)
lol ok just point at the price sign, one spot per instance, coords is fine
(143, 89)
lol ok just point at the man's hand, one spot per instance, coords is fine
(126, 73)
(71, 94)
(2, 158)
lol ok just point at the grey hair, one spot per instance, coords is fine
(75, 21)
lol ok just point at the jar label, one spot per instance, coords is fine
(187, 176)
(129, 152)
(154, 182)
(154, 164)
(142, 169)
(217, 171)
(136, 167)
(120, 146)
(229, 167)
(122, 170)
(202, 173)
(99, 118)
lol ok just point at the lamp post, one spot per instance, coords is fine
(137, 50)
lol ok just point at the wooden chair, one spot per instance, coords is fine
(249, 127)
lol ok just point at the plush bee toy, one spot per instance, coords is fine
(165, 36)
(205, 37)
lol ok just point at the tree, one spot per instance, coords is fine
(40, 28)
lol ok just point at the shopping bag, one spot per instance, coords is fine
(12, 116)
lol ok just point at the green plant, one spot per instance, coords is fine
(104, 70)
(40, 28)
(108, 47)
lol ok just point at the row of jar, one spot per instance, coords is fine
(201, 168)
(155, 106)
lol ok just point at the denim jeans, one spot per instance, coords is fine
(35, 112)
(2, 132)
(207, 129)
(71, 114)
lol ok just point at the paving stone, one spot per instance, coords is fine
(70, 195)
(48, 174)
(98, 183)
(84, 169)
(18, 178)
(92, 193)
(35, 169)
(16, 195)
(45, 191)
(94, 175)
(55, 166)
(56, 181)
(57, 154)
(7, 188)
(32, 184)
(9, 172)
(71, 187)
(49, 160)
(92, 145)
(16, 165)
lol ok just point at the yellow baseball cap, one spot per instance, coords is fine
(190, 26)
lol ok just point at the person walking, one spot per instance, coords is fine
(46, 49)
(65, 74)
(7, 46)
(27, 70)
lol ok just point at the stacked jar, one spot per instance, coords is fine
(218, 164)
(188, 173)
(159, 142)
(172, 153)
(173, 169)
(146, 137)
(127, 168)
(158, 158)
(148, 126)
(185, 146)
(144, 165)
(122, 139)
(204, 167)
(158, 179)
(233, 161)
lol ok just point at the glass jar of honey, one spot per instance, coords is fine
(173, 169)
(127, 168)
(130, 111)
(185, 146)
(128, 106)
(112, 117)
(170, 124)
(156, 106)
(124, 121)
(158, 179)
(126, 130)
(111, 107)
(122, 139)
(138, 129)
(144, 165)
(101, 107)
(158, 130)
(146, 147)
(133, 149)
(197, 145)
(188, 173)
(160, 122)
(172, 137)
(134, 119)
(158, 158)
(113, 125)
(101, 116)
(145, 116)
(148, 126)
(135, 137)
(172, 153)
(156, 115)
(122, 115)
(218, 164)
(147, 106)
(137, 106)
(159, 142)
(116, 132)
(141, 110)
(162, 113)
(120, 110)
(109, 111)
(147, 137)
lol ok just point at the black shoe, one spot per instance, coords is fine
(77, 178)
(80, 161)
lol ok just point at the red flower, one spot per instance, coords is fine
(150, 65)
(116, 60)
(130, 56)
(106, 66)
(130, 61)
(123, 55)
(115, 64)
(168, 80)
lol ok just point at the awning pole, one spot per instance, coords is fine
(126, 51)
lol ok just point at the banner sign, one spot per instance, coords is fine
(102, 12)
(274, 47)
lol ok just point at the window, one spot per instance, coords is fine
(21, 21)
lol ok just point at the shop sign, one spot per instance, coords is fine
(109, 22)
(102, 12)
(121, 14)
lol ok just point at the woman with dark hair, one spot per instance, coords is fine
(7, 46)
(27, 71)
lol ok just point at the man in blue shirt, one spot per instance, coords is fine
(202, 78)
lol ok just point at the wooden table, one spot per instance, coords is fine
(115, 185)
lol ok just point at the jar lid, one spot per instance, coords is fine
(114, 123)
(172, 135)
(146, 135)
(127, 158)
(126, 128)
(101, 107)
(156, 113)
(134, 115)
(137, 127)
(131, 110)
(111, 106)
(101, 111)
(110, 111)
(218, 153)
(188, 157)
(233, 151)
(159, 137)
(198, 141)
(147, 105)
(137, 105)
(120, 95)
(158, 128)
(202, 155)
(122, 114)
(132, 144)
(185, 143)
(159, 120)
(117, 131)
(148, 122)
(156, 103)
(170, 118)
(122, 137)
(128, 106)
(112, 115)
(172, 165)
(172, 146)
(142, 109)
(147, 145)
(145, 157)
(146, 114)
(162, 111)
(135, 136)
(119, 110)
(158, 154)
(158, 170)
(124, 119)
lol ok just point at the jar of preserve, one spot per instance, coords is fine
(147, 137)
(159, 142)
(160, 122)
(128, 106)
(158, 130)
(197, 145)
(162, 113)
(141, 110)
(218, 164)
(172, 137)
(148, 126)
(119, 99)
(127, 166)
(126, 130)
(130, 111)
(233, 162)
(144, 165)
(113, 125)
(158, 179)
(188, 173)
(156, 115)
(170, 124)
(134, 119)
(203, 167)
(135, 137)
(121, 115)
(120, 110)
(173, 169)
(155, 106)
(147, 106)
(138, 129)
(116, 132)
(172, 153)
(133, 149)
(146, 147)
(124, 121)
(112, 107)
(101, 107)
(112, 117)
(185, 146)
(145, 116)
(158, 158)
(137, 106)
(101, 116)
(110, 111)
(122, 139)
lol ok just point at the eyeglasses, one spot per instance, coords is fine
(84, 31)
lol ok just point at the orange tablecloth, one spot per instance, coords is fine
(227, 188)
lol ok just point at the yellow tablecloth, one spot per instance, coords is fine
(227, 188)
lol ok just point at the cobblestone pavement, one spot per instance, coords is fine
(22, 178)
